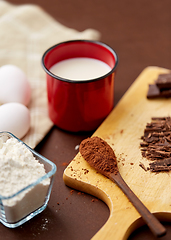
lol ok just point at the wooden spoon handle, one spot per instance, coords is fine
(153, 223)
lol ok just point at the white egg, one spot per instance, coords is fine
(14, 85)
(15, 118)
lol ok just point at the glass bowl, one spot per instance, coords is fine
(21, 206)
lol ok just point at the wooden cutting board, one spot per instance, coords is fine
(122, 129)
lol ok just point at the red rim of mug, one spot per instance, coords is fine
(81, 81)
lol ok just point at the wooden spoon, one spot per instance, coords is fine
(101, 156)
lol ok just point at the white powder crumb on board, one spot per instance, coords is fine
(77, 147)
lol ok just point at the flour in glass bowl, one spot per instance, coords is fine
(18, 169)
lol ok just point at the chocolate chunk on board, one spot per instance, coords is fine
(163, 81)
(154, 92)
(161, 87)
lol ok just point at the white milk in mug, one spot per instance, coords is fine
(80, 68)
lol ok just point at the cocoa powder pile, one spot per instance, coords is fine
(99, 155)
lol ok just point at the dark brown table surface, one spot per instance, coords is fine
(140, 33)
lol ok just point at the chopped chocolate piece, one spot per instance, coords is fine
(165, 93)
(161, 165)
(164, 75)
(159, 118)
(163, 81)
(143, 166)
(161, 87)
(143, 154)
(154, 92)
(159, 154)
(144, 144)
(164, 144)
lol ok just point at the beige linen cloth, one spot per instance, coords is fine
(26, 32)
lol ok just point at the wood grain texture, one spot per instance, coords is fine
(123, 129)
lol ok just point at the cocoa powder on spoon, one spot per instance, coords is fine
(97, 152)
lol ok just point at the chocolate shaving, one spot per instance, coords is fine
(161, 165)
(156, 144)
(143, 166)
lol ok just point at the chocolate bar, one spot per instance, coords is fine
(164, 81)
(161, 87)
(155, 92)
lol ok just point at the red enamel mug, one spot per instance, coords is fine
(79, 105)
